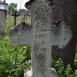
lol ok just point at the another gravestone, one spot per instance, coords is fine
(41, 36)
(21, 34)
(2, 24)
(2, 20)
(3, 11)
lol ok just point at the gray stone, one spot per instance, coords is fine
(21, 34)
(24, 12)
(41, 45)
(41, 36)
(2, 24)
(60, 35)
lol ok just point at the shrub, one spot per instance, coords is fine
(13, 59)
(68, 72)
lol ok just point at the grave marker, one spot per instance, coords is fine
(2, 24)
(41, 36)
(21, 34)
(3, 11)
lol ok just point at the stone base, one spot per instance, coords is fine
(29, 73)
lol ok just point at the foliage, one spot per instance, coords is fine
(58, 65)
(13, 59)
(68, 72)
(12, 7)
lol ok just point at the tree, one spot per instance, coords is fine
(66, 10)
(12, 7)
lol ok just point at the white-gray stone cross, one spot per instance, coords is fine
(41, 36)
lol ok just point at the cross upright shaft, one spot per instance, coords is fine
(41, 46)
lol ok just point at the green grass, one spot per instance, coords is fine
(9, 23)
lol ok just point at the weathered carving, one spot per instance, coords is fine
(41, 48)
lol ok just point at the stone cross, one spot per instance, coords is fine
(41, 35)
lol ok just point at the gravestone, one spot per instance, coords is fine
(41, 45)
(2, 23)
(41, 36)
(3, 12)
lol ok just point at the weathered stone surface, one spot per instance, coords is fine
(66, 10)
(21, 34)
(41, 45)
(2, 20)
(41, 36)
(60, 35)
(2, 24)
